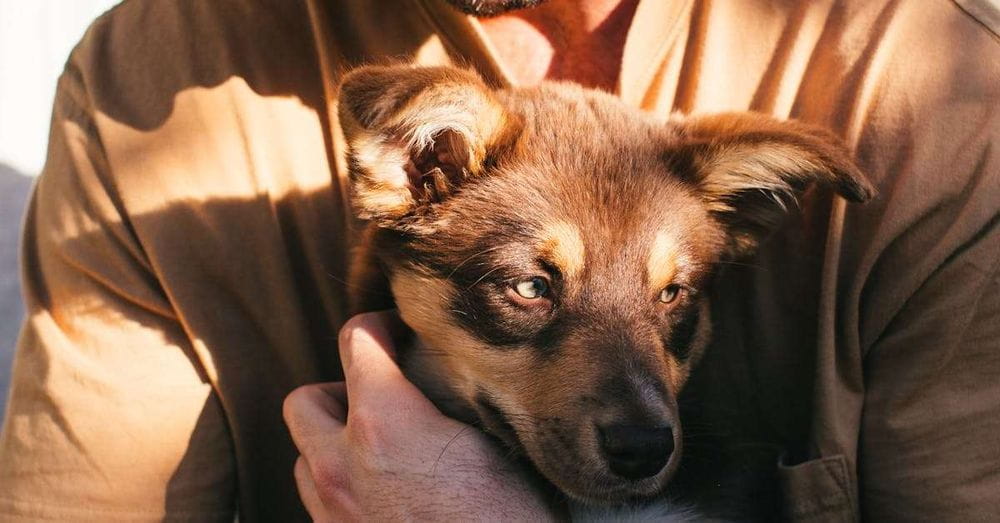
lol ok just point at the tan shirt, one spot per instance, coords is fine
(185, 249)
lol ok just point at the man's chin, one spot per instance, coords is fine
(487, 8)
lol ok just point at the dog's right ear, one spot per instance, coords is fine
(415, 134)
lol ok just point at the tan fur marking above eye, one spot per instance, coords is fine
(662, 264)
(563, 246)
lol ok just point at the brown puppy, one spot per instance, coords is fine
(552, 249)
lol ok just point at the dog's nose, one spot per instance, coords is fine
(636, 451)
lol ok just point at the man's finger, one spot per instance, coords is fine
(314, 414)
(336, 391)
(366, 351)
(385, 326)
(307, 491)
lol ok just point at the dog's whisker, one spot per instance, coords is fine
(356, 287)
(483, 277)
(463, 262)
(739, 264)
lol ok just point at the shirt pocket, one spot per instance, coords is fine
(820, 490)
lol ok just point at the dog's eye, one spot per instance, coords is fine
(532, 289)
(670, 293)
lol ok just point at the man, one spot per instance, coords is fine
(185, 252)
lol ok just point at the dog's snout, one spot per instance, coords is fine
(636, 451)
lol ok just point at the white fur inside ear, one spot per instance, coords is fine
(414, 135)
(389, 167)
(385, 187)
(385, 163)
(450, 120)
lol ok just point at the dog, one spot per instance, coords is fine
(553, 251)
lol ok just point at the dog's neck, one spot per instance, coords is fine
(564, 40)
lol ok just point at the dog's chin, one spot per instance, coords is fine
(580, 476)
(605, 489)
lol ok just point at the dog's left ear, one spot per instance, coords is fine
(415, 134)
(748, 167)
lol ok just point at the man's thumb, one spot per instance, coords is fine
(367, 352)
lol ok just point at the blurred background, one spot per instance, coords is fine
(36, 37)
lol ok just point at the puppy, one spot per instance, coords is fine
(553, 250)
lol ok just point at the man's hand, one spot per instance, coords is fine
(392, 455)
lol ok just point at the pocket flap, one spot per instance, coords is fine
(817, 490)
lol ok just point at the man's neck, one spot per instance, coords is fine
(577, 40)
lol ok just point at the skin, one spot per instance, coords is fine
(578, 41)
(393, 455)
(371, 462)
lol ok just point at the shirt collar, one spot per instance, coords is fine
(654, 28)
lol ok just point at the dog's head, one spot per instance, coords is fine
(553, 248)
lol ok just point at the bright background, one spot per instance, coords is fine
(36, 36)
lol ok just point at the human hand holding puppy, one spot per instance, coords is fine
(392, 454)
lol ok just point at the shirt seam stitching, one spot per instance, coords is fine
(994, 32)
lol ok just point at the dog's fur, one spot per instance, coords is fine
(471, 193)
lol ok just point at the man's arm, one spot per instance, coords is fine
(930, 430)
(110, 415)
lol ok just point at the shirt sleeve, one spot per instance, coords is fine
(110, 417)
(928, 448)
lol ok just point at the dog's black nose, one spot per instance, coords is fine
(636, 451)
